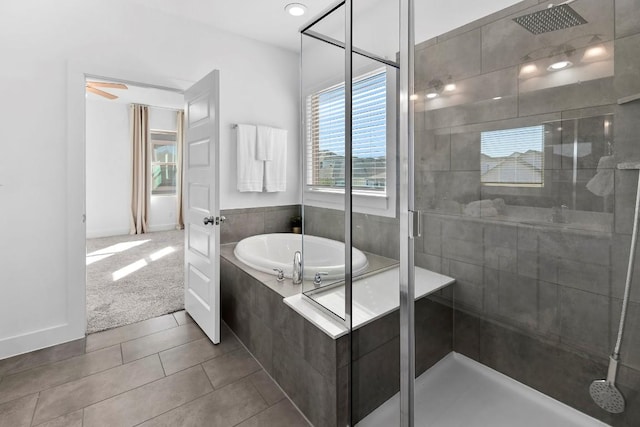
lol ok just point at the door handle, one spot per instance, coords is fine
(214, 220)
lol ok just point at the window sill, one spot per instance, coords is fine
(363, 202)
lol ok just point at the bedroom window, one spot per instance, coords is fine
(164, 154)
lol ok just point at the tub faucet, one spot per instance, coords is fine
(297, 268)
(280, 273)
(317, 280)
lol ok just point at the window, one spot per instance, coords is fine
(164, 154)
(513, 157)
(325, 145)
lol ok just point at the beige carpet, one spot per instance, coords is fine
(134, 278)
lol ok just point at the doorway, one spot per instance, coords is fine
(132, 277)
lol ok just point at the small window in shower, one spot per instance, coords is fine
(513, 157)
(325, 146)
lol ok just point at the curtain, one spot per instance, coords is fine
(180, 171)
(139, 125)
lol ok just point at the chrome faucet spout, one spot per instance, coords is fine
(297, 268)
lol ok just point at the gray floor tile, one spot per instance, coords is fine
(195, 352)
(18, 413)
(230, 367)
(148, 401)
(73, 419)
(284, 414)
(44, 377)
(37, 358)
(141, 347)
(86, 391)
(129, 332)
(182, 317)
(225, 407)
(267, 388)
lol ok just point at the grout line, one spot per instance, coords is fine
(204, 361)
(165, 349)
(135, 388)
(179, 406)
(35, 407)
(269, 375)
(161, 364)
(49, 387)
(14, 371)
(88, 376)
(133, 339)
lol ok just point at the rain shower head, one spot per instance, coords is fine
(552, 18)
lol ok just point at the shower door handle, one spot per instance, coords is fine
(415, 224)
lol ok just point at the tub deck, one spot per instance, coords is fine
(374, 296)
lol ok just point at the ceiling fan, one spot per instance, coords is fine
(93, 88)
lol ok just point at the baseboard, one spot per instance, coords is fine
(161, 227)
(93, 234)
(36, 340)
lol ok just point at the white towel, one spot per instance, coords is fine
(264, 143)
(250, 170)
(275, 171)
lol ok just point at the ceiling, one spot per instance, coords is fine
(140, 95)
(267, 21)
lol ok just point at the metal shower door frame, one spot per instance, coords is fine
(407, 214)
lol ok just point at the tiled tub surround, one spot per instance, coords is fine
(308, 364)
(241, 223)
(536, 299)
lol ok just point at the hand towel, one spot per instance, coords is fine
(264, 143)
(275, 170)
(250, 170)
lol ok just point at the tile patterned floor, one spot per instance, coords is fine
(159, 372)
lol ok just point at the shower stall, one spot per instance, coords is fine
(473, 157)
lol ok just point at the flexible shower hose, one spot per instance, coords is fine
(627, 285)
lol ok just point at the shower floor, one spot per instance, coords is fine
(460, 392)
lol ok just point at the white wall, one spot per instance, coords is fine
(39, 39)
(108, 168)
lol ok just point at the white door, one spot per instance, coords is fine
(201, 205)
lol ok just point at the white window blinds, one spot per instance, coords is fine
(325, 133)
(513, 156)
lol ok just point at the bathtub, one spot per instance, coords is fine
(265, 252)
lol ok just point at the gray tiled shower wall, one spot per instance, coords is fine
(537, 300)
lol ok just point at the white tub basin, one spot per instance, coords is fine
(265, 252)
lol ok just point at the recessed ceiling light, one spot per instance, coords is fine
(295, 9)
(594, 53)
(413, 97)
(432, 95)
(560, 65)
(495, 98)
(450, 87)
(528, 69)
